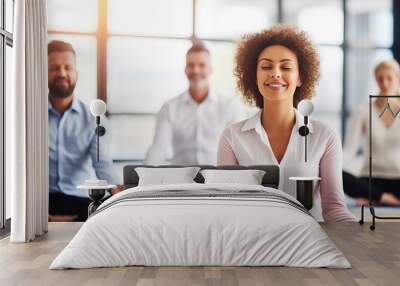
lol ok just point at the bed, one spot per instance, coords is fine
(199, 224)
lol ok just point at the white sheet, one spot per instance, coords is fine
(200, 231)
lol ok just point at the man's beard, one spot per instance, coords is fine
(199, 83)
(61, 92)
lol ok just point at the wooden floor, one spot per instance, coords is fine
(375, 256)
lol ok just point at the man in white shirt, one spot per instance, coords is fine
(190, 125)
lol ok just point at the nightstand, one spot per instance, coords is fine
(96, 190)
(305, 190)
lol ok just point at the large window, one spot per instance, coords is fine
(323, 21)
(6, 43)
(370, 38)
(131, 53)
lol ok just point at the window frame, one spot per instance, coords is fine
(6, 39)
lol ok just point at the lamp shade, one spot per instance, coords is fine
(98, 107)
(305, 107)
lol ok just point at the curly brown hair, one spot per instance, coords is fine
(295, 40)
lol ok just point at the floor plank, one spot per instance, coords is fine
(375, 257)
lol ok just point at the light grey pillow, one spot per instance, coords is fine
(163, 176)
(248, 177)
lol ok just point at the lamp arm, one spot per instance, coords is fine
(98, 137)
(305, 147)
(305, 138)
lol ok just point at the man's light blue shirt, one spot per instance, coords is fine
(73, 150)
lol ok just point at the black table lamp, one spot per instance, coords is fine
(98, 108)
(305, 185)
(97, 188)
(305, 108)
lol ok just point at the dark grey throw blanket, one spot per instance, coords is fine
(204, 193)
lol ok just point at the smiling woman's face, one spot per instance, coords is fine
(278, 73)
(388, 81)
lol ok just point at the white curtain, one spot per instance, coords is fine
(26, 119)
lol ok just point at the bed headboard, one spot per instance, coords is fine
(270, 179)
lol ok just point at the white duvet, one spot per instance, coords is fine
(200, 231)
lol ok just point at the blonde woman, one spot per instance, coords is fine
(385, 142)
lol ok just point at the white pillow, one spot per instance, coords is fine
(163, 176)
(248, 177)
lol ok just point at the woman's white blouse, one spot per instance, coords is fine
(246, 143)
(385, 143)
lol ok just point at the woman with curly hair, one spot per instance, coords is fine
(276, 69)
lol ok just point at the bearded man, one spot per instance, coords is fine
(72, 139)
